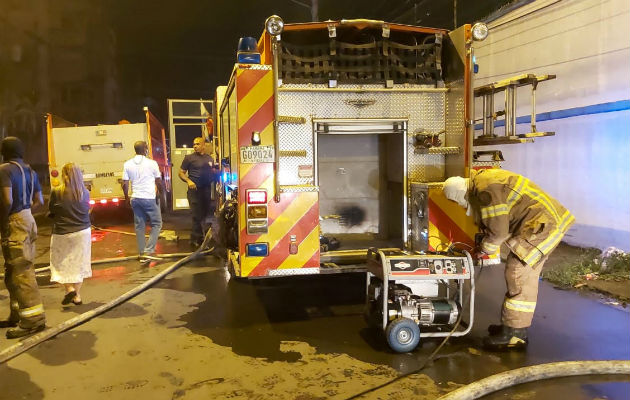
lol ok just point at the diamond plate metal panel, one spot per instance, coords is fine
(422, 109)
(455, 129)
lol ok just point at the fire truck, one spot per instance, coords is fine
(335, 139)
(101, 150)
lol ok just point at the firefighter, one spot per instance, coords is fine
(20, 189)
(511, 209)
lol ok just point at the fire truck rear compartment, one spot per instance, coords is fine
(360, 178)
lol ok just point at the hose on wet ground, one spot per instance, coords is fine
(428, 359)
(158, 257)
(34, 340)
(514, 377)
(503, 380)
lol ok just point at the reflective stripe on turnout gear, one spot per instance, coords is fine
(517, 191)
(31, 311)
(520, 305)
(494, 211)
(552, 240)
(489, 247)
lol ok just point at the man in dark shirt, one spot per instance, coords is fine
(20, 189)
(198, 171)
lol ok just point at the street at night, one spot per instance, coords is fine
(198, 335)
(315, 199)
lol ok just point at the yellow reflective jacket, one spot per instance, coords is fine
(509, 207)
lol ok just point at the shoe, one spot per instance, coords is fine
(507, 339)
(77, 303)
(494, 329)
(68, 298)
(18, 332)
(7, 323)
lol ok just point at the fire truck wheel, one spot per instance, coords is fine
(403, 335)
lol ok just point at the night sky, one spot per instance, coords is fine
(185, 48)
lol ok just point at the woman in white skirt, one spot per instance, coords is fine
(70, 244)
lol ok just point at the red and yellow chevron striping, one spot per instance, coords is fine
(448, 222)
(297, 214)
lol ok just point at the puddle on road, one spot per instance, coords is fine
(255, 318)
(17, 384)
(66, 348)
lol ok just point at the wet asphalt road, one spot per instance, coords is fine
(198, 335)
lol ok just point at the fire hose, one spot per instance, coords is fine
(503, 380)
(34, 340)
(517, 376)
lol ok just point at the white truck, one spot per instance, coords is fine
(101, 150)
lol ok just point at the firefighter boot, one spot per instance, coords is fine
(494, 329)
(507, 339)
(19, 332)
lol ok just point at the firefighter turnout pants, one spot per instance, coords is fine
(18, 249)
(522, 291)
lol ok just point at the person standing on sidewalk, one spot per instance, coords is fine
(70, 243)
(145, 177)
(198, 171)
(20, 190)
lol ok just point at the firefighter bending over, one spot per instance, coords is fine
(20, 189)
(510, 208)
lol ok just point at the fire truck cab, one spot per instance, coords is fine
(335, 137)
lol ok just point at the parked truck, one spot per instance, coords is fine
(101, 150)
(335, 139)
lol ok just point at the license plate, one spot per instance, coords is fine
(256, 154)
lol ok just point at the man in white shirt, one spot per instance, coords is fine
(145, 177)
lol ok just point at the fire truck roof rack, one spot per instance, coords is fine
(509, 86)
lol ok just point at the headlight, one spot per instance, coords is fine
(480, 31)
(274, 25)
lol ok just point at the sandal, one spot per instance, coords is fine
(69, 298)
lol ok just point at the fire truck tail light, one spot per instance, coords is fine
(257, 249)
(257, 226)
(257, 212)
(115, 200)
(92, 202)
(256, 197)
(103, 201)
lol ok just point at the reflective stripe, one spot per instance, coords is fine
(542, 198)
(519, 305)
(15, 305)
(494, 211)
(521, 182)
(551, 241)
(31, 311)
(489, 247)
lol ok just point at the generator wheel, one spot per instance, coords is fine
(403, 335)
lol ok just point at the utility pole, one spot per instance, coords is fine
(314, 10)
(314, 7)
(454, 14)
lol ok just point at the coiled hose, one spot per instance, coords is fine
(503, 380)
(32, 341)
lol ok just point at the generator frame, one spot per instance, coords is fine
(379, 266)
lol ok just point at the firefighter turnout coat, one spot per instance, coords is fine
(511, 207)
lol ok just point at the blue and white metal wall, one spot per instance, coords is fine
(586, 165)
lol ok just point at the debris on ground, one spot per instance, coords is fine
(604, 271)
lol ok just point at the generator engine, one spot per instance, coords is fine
(425, 312)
